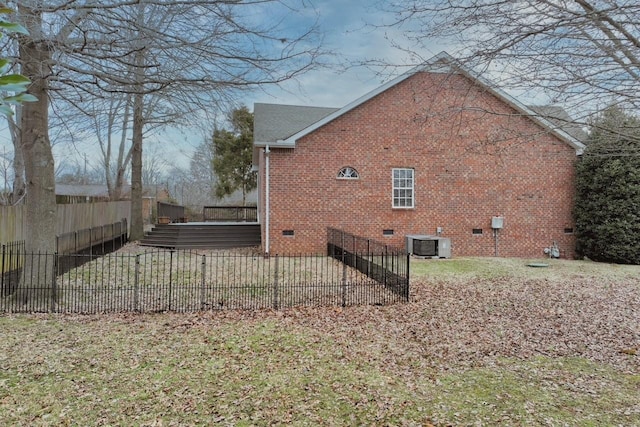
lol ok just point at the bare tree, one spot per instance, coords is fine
(109, 120)
(583, 54)
(193, 186)
(154, 165)
(194, 53)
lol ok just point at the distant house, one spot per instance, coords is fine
(81, 193)
(438, 150)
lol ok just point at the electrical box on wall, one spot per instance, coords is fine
(497, 222)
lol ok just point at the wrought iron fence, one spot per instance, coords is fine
(99, 239)
(11, 260)
(182, 281)
(387, 265)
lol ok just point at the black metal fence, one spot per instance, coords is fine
(100, 239)
(387, 265)
(182, 281)
(11, 261)
(230, 213)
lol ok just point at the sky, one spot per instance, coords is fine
(348, 35)
(351, 38)
(344, 25)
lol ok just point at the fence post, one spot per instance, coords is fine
(354, 247)
(344, 284)
(202, 282)
(170, 277)
(54, 282)
(136, 297)
(406, 296)
(385, 260)
(2, 271)
(275, 286)
(369, 258)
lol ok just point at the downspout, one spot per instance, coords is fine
(266, 199)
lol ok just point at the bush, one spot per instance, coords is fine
(607, 209)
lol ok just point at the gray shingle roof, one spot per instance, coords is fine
(90, 190)
(275, 122)
(560, 118)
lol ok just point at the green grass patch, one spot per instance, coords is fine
(493, 268)
(542, 391)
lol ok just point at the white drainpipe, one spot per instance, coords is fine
(266, 199)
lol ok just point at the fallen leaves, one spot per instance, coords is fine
(445, 358)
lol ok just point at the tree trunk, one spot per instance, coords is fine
(118, 188)
(39, 166)
(137, 224)
(19, 184)
(39, 170)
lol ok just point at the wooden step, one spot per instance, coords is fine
(203, 236)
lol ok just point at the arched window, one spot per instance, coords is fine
(348, 172)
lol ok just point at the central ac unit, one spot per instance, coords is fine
(428, 246)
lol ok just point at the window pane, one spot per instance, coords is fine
(402, 180)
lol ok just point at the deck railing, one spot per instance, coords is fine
(168, 212)
(230, 213)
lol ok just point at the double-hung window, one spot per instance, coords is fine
(403, 188)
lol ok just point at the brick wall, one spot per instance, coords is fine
(474, 158)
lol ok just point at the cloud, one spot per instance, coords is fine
(353, 35)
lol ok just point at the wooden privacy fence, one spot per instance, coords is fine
(70, 218)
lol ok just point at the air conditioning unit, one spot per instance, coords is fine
(428, 246)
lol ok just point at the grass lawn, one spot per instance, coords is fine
(482, 342)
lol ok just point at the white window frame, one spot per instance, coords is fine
(402, 183)
(348, 172)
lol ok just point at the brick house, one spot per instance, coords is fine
(438, 150)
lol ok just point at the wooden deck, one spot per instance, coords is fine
(204, 235)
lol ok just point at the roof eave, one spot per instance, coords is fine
(275, 144)
(505, 97)
(435, 65)
(369, 95)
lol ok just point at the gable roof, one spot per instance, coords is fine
(273, 129)
(274, 122)
(560, 119)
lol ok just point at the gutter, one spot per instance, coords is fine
(266, 199)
